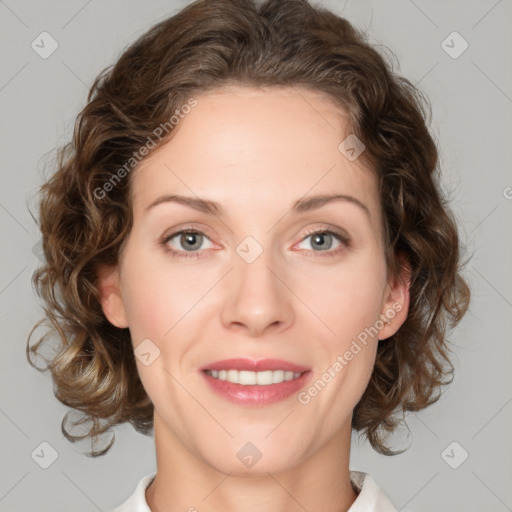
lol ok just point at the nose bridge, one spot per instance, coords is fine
(256, 297)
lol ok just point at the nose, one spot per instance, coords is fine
(257, 298)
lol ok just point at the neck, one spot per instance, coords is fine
(187, 483)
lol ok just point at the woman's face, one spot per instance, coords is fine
(250, 289)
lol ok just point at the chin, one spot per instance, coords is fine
(252, 459)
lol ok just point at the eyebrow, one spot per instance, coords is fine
(214, 208)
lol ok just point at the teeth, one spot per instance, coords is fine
(248, 378)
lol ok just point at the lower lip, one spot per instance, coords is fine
(254, 395)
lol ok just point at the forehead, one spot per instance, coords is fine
(246, 145)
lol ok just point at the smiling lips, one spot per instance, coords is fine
(255, 383)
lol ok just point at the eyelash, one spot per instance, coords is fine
(341, 237)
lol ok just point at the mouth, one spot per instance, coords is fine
(255, 383)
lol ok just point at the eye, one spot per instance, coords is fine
(190, 238)
(323, 239)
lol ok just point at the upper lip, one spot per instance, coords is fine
(255, 366)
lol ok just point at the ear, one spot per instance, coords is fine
(396, 300)
(109, 290)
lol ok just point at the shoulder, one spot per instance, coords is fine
(137, 501)
(371, 497)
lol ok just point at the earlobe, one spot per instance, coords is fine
(109, 292)
(396, 304)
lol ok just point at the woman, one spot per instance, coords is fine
(322, 270)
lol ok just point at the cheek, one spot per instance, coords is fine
(156, 296)
(348, 299)
(145, 311)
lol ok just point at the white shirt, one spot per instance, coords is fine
(371, 498)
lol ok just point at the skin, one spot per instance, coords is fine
(255, 151)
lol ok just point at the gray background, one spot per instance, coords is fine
(472, 104)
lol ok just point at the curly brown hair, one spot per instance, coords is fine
(85, 211)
